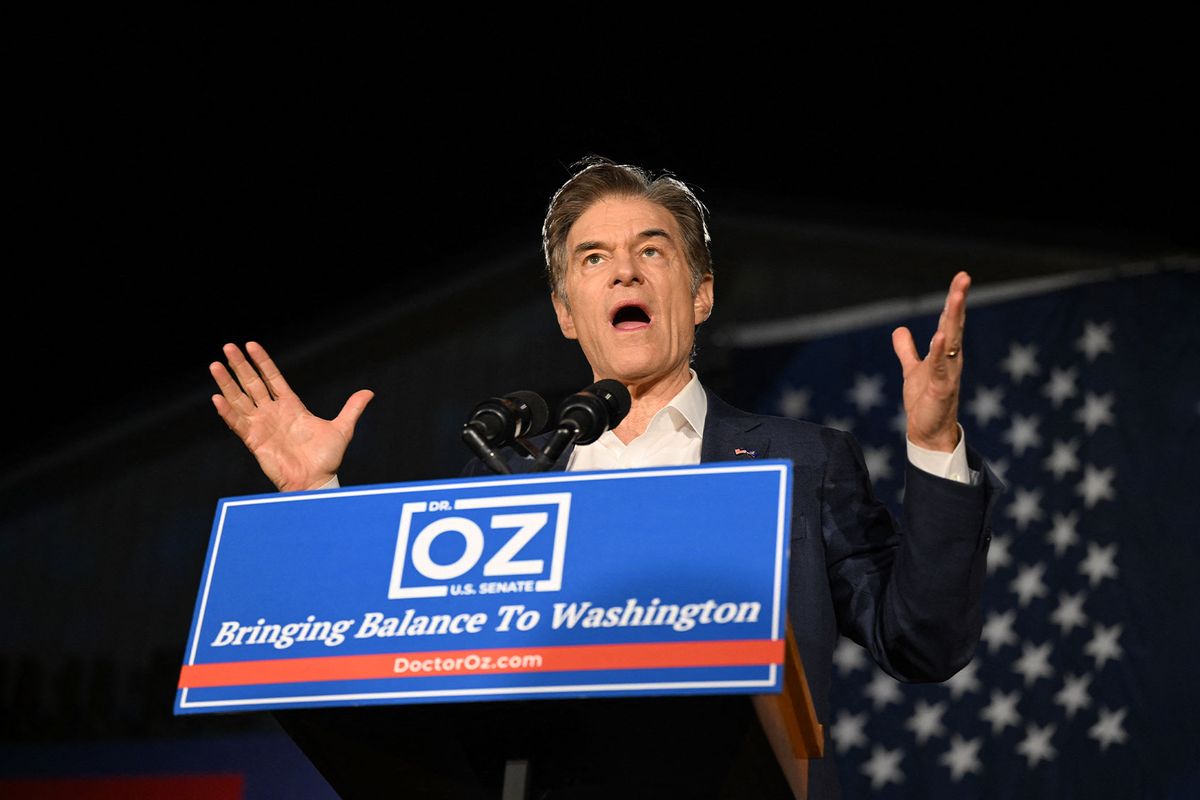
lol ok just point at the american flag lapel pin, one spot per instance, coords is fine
(741, 452)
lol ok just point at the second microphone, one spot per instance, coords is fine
(584, 416)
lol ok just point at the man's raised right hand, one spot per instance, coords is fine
(295, 449)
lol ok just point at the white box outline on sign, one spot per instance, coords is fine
(553, 583)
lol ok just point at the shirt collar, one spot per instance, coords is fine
(687, 409)
(691, 404)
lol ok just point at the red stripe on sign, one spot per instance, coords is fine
(738, 653)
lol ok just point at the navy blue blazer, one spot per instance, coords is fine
(909, 593)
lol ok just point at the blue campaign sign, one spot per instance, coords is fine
(624, 582)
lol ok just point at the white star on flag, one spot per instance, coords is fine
(1021, 362)
(1096, 411)
(883, 690)
(1096, 485)
(883, 767)
(1100, 563)
(926, 721)
(867, 392)
(795, 403)
(962, 757)
(998, 555)
(1063, 534)
(1023, 433)
(1028, 583)
(1034, 662)
(1036, 745)
(1103, 645)
(998, 630)
(1069, 614)
(1002, 711)
(965, 680)
(1073, 696)
(1061, 385)
(1096, 339)
(1025, 507)
(878, 462)
(1108, 730)
(848, 656)
(847, 731)
(1062, 458)
(985, 406)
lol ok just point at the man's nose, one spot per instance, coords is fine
(626, 270)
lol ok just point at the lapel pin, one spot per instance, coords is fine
(740, 452)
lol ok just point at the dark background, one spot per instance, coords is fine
(364, 195)
(187, 180)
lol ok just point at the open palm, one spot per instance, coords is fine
(296, 449)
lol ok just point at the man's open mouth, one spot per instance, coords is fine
(630, 318)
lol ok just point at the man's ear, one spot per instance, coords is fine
(566, 322)
(702, 303)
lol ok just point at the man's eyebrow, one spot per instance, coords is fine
(649, 233)
(584, 246)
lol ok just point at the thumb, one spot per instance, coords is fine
(905, 347)
(347, 418)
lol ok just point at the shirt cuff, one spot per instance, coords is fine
(952, 466)
(331, 484)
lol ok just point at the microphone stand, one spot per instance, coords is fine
(481, 449)
(562, 438)
(497, 420)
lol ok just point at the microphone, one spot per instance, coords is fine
(584, 416)
(498, 421)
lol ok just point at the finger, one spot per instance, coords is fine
(230, 391)
(247, 376)
(231, 416)
(271, 376)
(905, 347)
(944, 366)
(937, 350)
(347, 418)
(954, 314)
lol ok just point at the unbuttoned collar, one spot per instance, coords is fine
(687, 409)
(690, 406)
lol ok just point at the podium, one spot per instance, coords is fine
(726, 746)
(389, 630)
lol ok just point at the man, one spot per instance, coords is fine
(631, 277)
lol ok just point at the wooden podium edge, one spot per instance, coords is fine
(789, 721)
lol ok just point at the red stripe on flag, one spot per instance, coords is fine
(123, 787)
(568, 658)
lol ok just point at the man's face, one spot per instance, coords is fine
(628, 292)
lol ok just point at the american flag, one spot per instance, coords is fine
(1086, 401)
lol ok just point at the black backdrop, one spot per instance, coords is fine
(188, 178)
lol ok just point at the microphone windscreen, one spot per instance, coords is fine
(534, 411)
(616, 398)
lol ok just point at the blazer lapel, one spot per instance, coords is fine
(731, 434)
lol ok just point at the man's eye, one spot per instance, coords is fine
(650, 251)
(592, 259)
